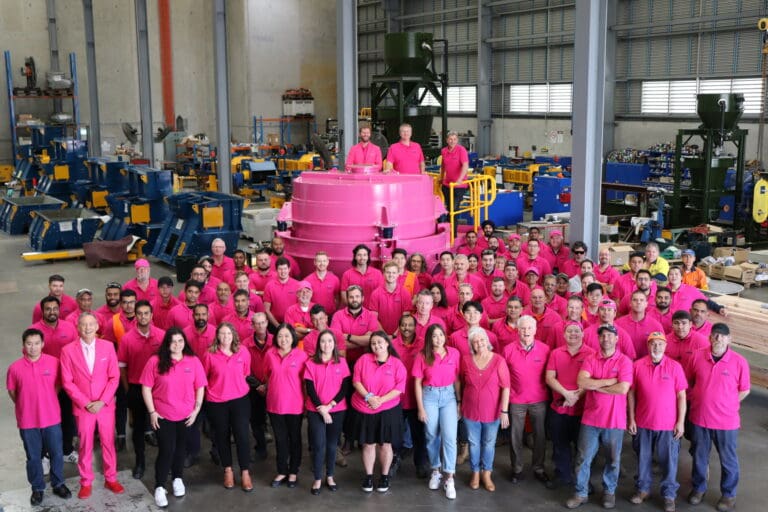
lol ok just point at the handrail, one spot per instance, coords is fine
(481, 194)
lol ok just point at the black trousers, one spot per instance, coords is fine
(258, 419)
(121, 411)
(323, 440)
(139, 411)
(171, 450)
(418, 437)
(68, 428)
(227, 418)
(287, 432)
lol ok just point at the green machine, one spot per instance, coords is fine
(399, 95)
(721, 146)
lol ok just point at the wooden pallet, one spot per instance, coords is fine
(749, 284)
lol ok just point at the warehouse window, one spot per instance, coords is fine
(679, 96)
(541, 98)
(461, 98)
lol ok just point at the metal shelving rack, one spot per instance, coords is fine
(12, 98)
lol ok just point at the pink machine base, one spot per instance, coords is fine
(334, 212)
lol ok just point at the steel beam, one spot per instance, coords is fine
(221, 79)
(589, 76)
(484, 76)
(145, 87)
(94, 135)
(53, 44)
(346, 74)
(392, 14)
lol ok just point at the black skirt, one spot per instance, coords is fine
(378, 428)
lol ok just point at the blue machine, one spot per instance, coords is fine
(550, 195)
(65, 170)
(16, 212)
(506, 209)
(69, 228)
(626, 174)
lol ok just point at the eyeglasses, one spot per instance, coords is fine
(579, 252)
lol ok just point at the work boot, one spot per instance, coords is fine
(576, 501)
(474, 482)
(609, 500)
(638, 497)
(463, 453)
(669, 505)
(726, 504)
(695, 497)
(487, 482)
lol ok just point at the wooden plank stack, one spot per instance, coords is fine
(748, 321)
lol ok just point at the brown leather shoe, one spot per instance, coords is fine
(576, 501)
(245, 482)
(669, 505)
(463, 453)
(229, 478)
(609, 501)
(726, 504)
(487, 482)
(638, 497)
(474, 482)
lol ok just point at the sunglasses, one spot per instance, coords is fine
(579, 252)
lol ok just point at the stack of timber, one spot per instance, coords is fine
(748, 321)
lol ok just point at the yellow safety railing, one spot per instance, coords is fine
(480, 195)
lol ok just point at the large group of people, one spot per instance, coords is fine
(536, 343)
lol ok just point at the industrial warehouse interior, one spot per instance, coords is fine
(142, 133)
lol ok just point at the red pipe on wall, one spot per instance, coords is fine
(166, 60)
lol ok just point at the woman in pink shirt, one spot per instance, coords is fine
(435, 373)
(327, 383)
(484, 404)
(227, 405)
(284, 371)
(172, 385)
(440, 302)
(378, 380)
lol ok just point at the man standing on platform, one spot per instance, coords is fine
(365, 152)
(405, 156)
(453, 170)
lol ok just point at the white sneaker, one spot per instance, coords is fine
(161, 497)
(434, 480)
(71, 458)
(178, 488)
(450, 489)
(46, 465)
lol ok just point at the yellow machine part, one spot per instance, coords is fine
(213, 217)
(490, 170)
(61, 172)
(99, 198)
(6, 173)
(44, 157)
(139, 213)
(235, 162)
(760, 201)
(276, 202)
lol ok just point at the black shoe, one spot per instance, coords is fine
(516, 477)
(394, 467)
(383, 484)
(368, 483)
(138, 471)
(292, 483)
(150, 438)
(331, 487)
(542, 477)
(191, 460)
(315, 492)
(36, 498)
(120, 443)
(62, 492)
(277, 483)
(215, 457)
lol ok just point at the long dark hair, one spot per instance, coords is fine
(317, 357)
(164, 352)
(443, 299)
(390, 349)
(428, 350)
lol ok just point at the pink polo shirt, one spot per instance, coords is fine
(68, 306)
(626, 300)
(408, 355)
(600, 409)
(405, 159)
(355, 325)
(309, 343)
(488, 279)
(421, 328)
(173, 392)
(369, 281)
(296, 317)
(623, 344)
(520, 290)
(623, 286)
(549, 325)
(285, 387)
(34, 383)
(454, 320)
(226, 375)
(570, 267)
(135, 349)
(378, 379)
(452, 162)
(665, 319)
(149, 294)
(295, 271)
(280, 296)
(566, 368)
(55, 338)
(222, 271)
(460, 340)
(259, 281)
(495, 309)
(639, 330)
(243, 326)
(218, 312)
(656, 387)
(559, 305)
(442, 372)
(207, 293)
(161, 312)
(181, 316)
(541, 264)
(505, 333)
(704, 329)
(327, 379)
(526, 372)
(609, 275)
(682, 350)
(365, 154)
(390, 306)
(200, 342)
(714, 396)
(684, 296)
(481, 388)
(325, 291)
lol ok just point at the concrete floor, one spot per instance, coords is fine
(22, 284)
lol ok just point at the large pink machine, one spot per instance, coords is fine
(335, 211)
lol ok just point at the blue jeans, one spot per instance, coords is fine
(667, 449)
(482, 444)
(725, 443)
(590, 440)
(440, 431)
(39, 442)
(564, 432)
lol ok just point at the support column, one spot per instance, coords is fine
(484, 77)
(346, 74)
(94, 135)
(392, 13)
(221, 78)
(53, 45)
(145, 88)
(589, 75)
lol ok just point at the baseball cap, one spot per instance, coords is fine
(656, 335)
(141, 262)
(571, 322)
(83, 291)
(534, 270)
(563, 276)
(689, 252)
(555, 232)
(607, 304)
(305, 284)
(721, 328)
(514, 236)
(607, 327)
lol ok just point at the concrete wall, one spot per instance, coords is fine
(273, 46)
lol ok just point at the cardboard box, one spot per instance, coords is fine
(717, 271)
(749, 272)
(739, 255)
(733, 272)
(705, 267)
(619, 253)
